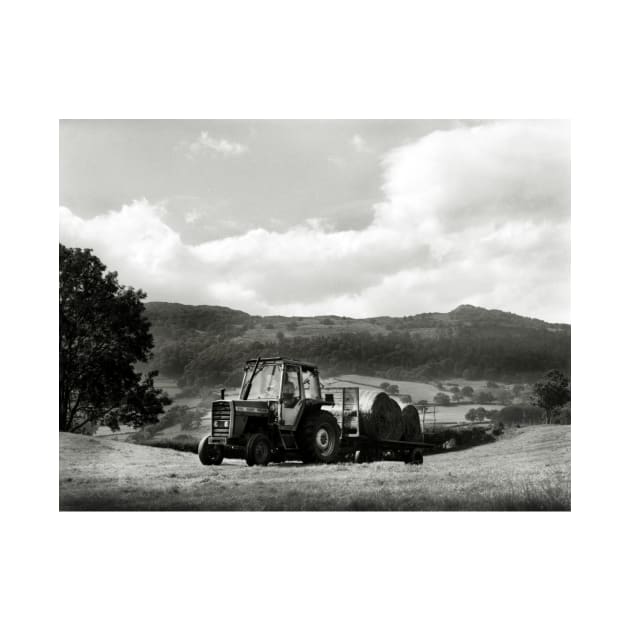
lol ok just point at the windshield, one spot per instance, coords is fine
(265, 384)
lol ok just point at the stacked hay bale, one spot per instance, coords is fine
(412, 431)
(380, 417)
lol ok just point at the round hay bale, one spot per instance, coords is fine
(411, 424)
(380, 417)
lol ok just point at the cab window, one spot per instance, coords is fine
(291, 387)
(311, 383)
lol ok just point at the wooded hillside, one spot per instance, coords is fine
(207, 345)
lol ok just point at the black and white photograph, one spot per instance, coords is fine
(308, 315)
(331, 297)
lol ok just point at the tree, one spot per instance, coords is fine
(102, 334)
(441, 399)
(393, 389)
(551, 393)
(467, 391)
(484, 397)
(477, 414)
(384, 385)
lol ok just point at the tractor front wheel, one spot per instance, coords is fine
(258, 450)
(209, 454)
(319, 438)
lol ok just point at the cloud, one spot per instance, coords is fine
(359, 144)
(205, 143)
(192, 216)
(471, 215)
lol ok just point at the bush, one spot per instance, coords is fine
(521, 415)
(178, 414)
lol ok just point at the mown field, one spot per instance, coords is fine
(528, 469)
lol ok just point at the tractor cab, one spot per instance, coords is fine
(287, 385)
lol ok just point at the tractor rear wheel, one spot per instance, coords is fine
(209, 454)
(319, 438)
(258, 450)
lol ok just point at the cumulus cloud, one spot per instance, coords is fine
(471, 215)
(205, 143)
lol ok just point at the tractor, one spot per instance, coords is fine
(279, 415)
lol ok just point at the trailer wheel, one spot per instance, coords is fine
(319, 438)
(209, 454)
(415, 457)
(258, 450)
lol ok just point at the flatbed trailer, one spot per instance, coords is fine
(345, 408)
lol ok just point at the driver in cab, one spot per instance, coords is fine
(289, 397)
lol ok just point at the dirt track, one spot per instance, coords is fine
(528, 470)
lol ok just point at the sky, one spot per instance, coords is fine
(347, 217)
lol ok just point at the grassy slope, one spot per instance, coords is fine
(529, 470)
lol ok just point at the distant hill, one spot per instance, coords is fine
(207, 345)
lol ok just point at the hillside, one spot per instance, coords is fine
(530, 469)
(207, 345)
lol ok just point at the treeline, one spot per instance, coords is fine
(400, 355)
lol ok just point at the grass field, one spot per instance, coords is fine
(529, 469)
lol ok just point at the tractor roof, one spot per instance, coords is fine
(284, 360)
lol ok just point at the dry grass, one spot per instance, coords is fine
(529, 470)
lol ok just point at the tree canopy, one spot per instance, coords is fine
(551, 393)
(102, 335)
(441, 399)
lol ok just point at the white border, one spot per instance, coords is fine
(355, 60)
